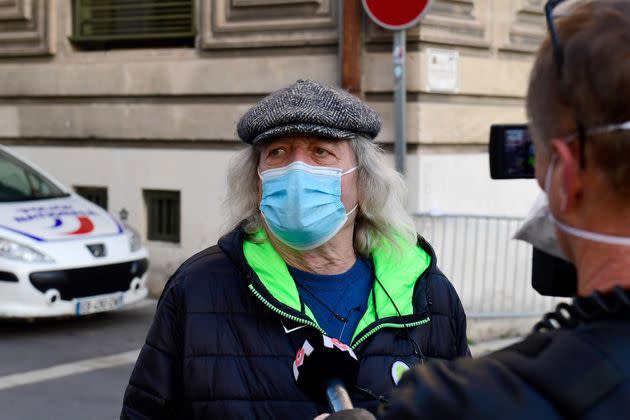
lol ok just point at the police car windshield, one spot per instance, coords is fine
(20, 182)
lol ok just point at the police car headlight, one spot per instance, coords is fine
(19, 252)
(135, 243)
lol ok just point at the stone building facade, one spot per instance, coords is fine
(162, 118)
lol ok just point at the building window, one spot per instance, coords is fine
(163, 215)
(97, 195)
(138, 23)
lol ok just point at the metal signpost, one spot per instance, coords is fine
(398, 16)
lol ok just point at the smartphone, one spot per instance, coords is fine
(511, 152)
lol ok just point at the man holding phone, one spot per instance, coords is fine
(574, 364)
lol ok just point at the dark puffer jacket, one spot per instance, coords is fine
(578, 371)
(230, 321)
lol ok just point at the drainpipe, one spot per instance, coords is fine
(350, 45)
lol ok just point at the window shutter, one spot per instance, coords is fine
(97, 195)
(163, 215)
(133, 20)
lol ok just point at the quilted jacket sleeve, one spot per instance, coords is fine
(446, 303)
(465, 389)
(460, 321)
(154, 387)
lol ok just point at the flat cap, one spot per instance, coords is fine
(308, 107)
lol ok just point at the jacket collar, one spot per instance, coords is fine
(398, 271)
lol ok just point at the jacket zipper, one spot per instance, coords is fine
(388, 325)
(309, 323)
(283, 313)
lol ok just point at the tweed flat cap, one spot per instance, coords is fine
(308, 107)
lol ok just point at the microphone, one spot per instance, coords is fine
(323, 368)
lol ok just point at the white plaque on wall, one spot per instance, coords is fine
(442, 70)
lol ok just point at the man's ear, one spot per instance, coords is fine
(571, 181)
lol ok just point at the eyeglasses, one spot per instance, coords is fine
(558, 55)
(559, 60)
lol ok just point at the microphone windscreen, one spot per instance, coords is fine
(321, 359)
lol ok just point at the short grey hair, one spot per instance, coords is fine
(381, 215)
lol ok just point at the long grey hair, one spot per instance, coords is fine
(381, 213)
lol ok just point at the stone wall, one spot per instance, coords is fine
(27, 28)
(247, 48)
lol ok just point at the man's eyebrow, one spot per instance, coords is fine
(326, 142)
(276, 143)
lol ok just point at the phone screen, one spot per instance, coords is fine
(511, 152)
(519, 155)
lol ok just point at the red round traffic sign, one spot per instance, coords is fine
(396, 15)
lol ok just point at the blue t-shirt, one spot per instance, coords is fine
(346, 294)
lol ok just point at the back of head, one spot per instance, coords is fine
(592, 86)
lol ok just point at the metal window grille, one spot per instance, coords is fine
(127, 21)
(97, 195)
(163, 209)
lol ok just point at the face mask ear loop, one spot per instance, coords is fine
(591, 236)
(548, 175)
(353, 210)
(345, 173)
(563, 196)
(580, 233)
(349, 171)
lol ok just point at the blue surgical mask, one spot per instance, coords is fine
(302, 204)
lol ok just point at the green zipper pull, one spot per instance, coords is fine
(284, 313)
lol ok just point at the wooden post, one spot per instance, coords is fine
(351, 46)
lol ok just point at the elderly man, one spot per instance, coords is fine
(321, 245)
(575, 365)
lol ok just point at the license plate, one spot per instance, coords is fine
(99, 304)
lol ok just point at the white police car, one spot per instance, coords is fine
(59, 253)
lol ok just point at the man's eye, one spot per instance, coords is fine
(275, 152)
(321, 152)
